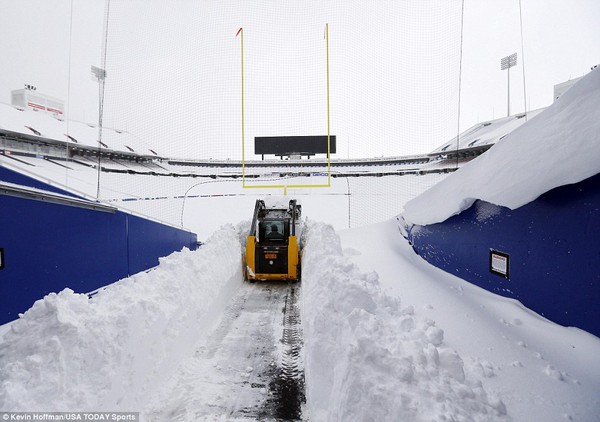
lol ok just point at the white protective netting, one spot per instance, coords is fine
(174, 82)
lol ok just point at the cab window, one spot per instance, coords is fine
(272, 230)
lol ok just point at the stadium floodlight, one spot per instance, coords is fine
(508, 61)
(505, 64)
(98, 73)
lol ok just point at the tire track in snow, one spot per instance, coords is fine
(249, 367)
(287, 394)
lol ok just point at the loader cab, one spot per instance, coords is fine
(272, 250)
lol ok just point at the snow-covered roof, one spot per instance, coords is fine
(44, 125)
(487, 133)
(560, 146)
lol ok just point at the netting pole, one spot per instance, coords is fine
(462, 17)
(101, 74)
(328, 109)
(523, 60)
(68, 108)
(241, 31)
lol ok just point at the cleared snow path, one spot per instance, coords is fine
(248, 368)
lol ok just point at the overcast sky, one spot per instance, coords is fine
(174, 67)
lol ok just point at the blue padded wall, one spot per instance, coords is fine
(553, 244)
(48, 247)
(148, 240)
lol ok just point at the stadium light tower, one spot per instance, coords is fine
(99, 74)
(505, 64)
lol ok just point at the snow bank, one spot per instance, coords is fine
(368, 359)
(560, 146)
(69, 353)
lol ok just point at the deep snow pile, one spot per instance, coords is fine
(69, 353)
(541, 370)
(560, 146)
(369, 359)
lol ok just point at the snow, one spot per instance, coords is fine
(486, 133)
(386, 337)
(190, 201)
(539, 369)
(230, 375)
(367, 358)
(557, 147)
(68, 353)
(21, 120)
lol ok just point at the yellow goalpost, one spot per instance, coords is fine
(285, 187)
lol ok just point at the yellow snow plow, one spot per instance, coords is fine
(272, 249)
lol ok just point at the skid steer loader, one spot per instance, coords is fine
(272, 249)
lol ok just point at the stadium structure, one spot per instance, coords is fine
(64, 197)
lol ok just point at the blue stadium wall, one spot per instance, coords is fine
(553, 247)
(47, 246)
